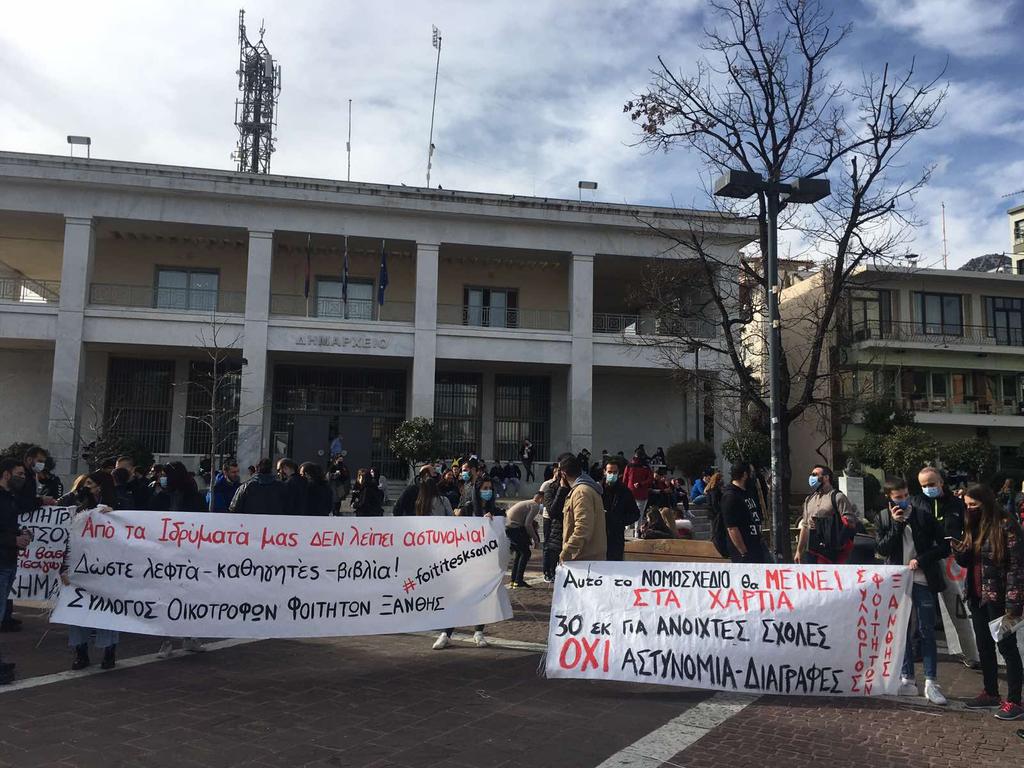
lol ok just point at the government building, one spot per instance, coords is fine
(335, 308)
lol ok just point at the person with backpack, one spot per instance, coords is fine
(828, 524)
(740, 518)
(911, 536)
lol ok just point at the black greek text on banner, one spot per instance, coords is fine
(220, 575)
(778, 629)
(38, 575)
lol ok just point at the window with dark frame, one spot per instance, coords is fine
(870, 313)
(490, 307)
(139, 400)
(940, 314)
(360, 303)
(522, 411)
(190, 289)
(1004, 320)
(457, 413)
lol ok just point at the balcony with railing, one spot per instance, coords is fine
(503, 317)
(934, 334)
(341, 311)
(26, 291)
(967, 405)
(611, 323)
(189, 300)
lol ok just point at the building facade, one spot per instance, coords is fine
(501, 318)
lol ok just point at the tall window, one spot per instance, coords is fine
(457, 410)
(870, 313)
(940, 314)
(360, 299)
(201, 388)
(139, 394)
(186, 289)
(522, 410)
(490, 307)
(1004, 320)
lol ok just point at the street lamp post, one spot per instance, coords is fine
(741, 185)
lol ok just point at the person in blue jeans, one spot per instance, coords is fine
(911, 536)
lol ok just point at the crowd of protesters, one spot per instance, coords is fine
(582, 511)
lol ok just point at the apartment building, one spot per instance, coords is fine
(945, 344)
(500, 317)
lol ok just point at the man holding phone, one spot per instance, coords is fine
(910, 535)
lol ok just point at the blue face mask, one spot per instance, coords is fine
(814, 481)
(163, 481)
(932, 491)
(486, 495)
(612, 478)
(465, 477)
(902, 503)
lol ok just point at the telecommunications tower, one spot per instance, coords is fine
(259, 80)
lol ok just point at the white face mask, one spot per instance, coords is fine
(39, 466)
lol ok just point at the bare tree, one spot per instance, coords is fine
(762, 100)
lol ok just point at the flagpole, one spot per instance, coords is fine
(348, 147)
(306, 286)
(433, 105)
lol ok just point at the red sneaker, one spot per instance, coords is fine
(982, 701)
(1010, 711)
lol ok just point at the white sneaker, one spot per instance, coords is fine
(166, 649)
(933, 693)
(480, 640)
(908, 687)
(441, 642)
(193, 645)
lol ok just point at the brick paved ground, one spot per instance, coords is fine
(391, 701)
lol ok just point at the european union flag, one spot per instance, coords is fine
(382, 280)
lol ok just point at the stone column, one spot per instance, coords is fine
(254, 400)
(68, 348)
(581, 370)
(424, 361)
(179, 406)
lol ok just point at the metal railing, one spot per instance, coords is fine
(354, 310)
(971, 405)
(25, 290)
(649, 325)
(493, 317)
(168, 299)
(926, 333)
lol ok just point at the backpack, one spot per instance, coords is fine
(831, 539)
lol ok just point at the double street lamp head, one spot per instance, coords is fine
(744, 184)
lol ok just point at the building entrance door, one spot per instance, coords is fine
(310, 439)
(357, 440)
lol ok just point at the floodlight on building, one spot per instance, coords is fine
(82, 141)
(581, 185)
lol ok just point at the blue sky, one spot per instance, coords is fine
(530, 95)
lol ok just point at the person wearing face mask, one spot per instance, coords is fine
(13, 539)
(27, 496)
(488, 492)
(992, 551)
(829, 521)
(940, 501)
(620, 509)
(911, 536)
(470, 502)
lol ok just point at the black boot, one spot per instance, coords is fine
(108, 657)
(81, 657)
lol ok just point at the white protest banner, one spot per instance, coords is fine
(38, 576)
(223, 575)
(778, 629)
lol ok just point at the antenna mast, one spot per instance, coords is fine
(348, 144)
(945, 250)
(433, 105)
(259, 80)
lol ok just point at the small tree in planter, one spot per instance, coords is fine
(906, 450)
(976, 456)
(691, 457)
(416, 440)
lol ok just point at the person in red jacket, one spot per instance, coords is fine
(638, 478)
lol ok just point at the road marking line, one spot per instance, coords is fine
(134, 661)
(680, 732)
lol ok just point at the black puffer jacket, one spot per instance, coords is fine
(262, 495)
(929, 542)
(620, 510)
(948, 510)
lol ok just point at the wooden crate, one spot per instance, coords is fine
(673, 551)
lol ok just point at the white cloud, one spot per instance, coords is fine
(975, 28)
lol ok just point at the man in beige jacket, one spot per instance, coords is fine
(583, 530)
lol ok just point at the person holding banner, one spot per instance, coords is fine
(912, 536)
(96, 494)
(13, 538)
(992, 551)
(741, 515)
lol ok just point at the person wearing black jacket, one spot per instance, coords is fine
(936, 498)
(136, 486)
(620, 509)
(910, 535)
(261, 494)
(178, 491)
(319, 498)
(295, 488)
(371, 500)
(741, 516)
(555, 495)
(406, 504)
(27, 496)
(12, 539)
